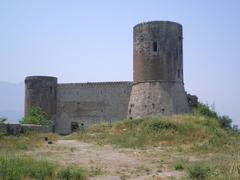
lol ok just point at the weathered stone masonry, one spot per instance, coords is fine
(41, 91)
(158, 70)
(91, 103)
(157, 89)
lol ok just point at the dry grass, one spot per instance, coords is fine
(24, 142)
(175, 131)
(198, 138)
(191, 145)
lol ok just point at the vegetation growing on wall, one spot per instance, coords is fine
(36, 116)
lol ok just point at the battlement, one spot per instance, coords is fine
(97, 84)
(40, 77)
(154, 23)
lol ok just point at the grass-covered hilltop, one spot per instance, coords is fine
(201, 145)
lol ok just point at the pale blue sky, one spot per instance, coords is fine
(83, 41)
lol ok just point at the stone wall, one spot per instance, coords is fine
(157, 98)
(15, 129)
(91, 103)
(158, 87)
(36, 128)
(41, 91)
(157, 51)
(3, 128)
(192, 101)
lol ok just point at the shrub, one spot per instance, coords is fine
(205, 110)
(198, 171)
(2, 120)
(235, 128)
(72, 173)
(157, 126)
(179, 164)
(225, 122)
(36, 116)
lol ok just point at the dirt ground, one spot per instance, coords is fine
(108, 163)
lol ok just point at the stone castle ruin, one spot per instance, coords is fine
(157, 88)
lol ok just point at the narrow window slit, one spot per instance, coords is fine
(51, 90)
(155, 46)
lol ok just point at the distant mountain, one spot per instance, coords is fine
(11, 101)
(11, 115)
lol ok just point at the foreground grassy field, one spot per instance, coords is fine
(193, 143)
(177, 147)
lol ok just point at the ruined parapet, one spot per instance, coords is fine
(3, 128)
(14, 129)
(192, 101)
(158, 70)
(41, 91)
(36, 128)
(10, 129)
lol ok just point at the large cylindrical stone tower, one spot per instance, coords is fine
(158, 70)
(41, 91)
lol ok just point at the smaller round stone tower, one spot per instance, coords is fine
(158, 87)
(41, 91)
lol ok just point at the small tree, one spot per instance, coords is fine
(2, 120)
(205, 110)
(225, 122)
(235, 128)
(36, 116)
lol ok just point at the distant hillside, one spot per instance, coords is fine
(12, 101)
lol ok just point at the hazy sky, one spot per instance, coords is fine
(83, 41)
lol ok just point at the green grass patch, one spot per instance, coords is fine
(16, 167)
(21, 167)
(198, 171)
(180, 164)
(24, 141)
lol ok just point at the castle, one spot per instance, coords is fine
(157, 88)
